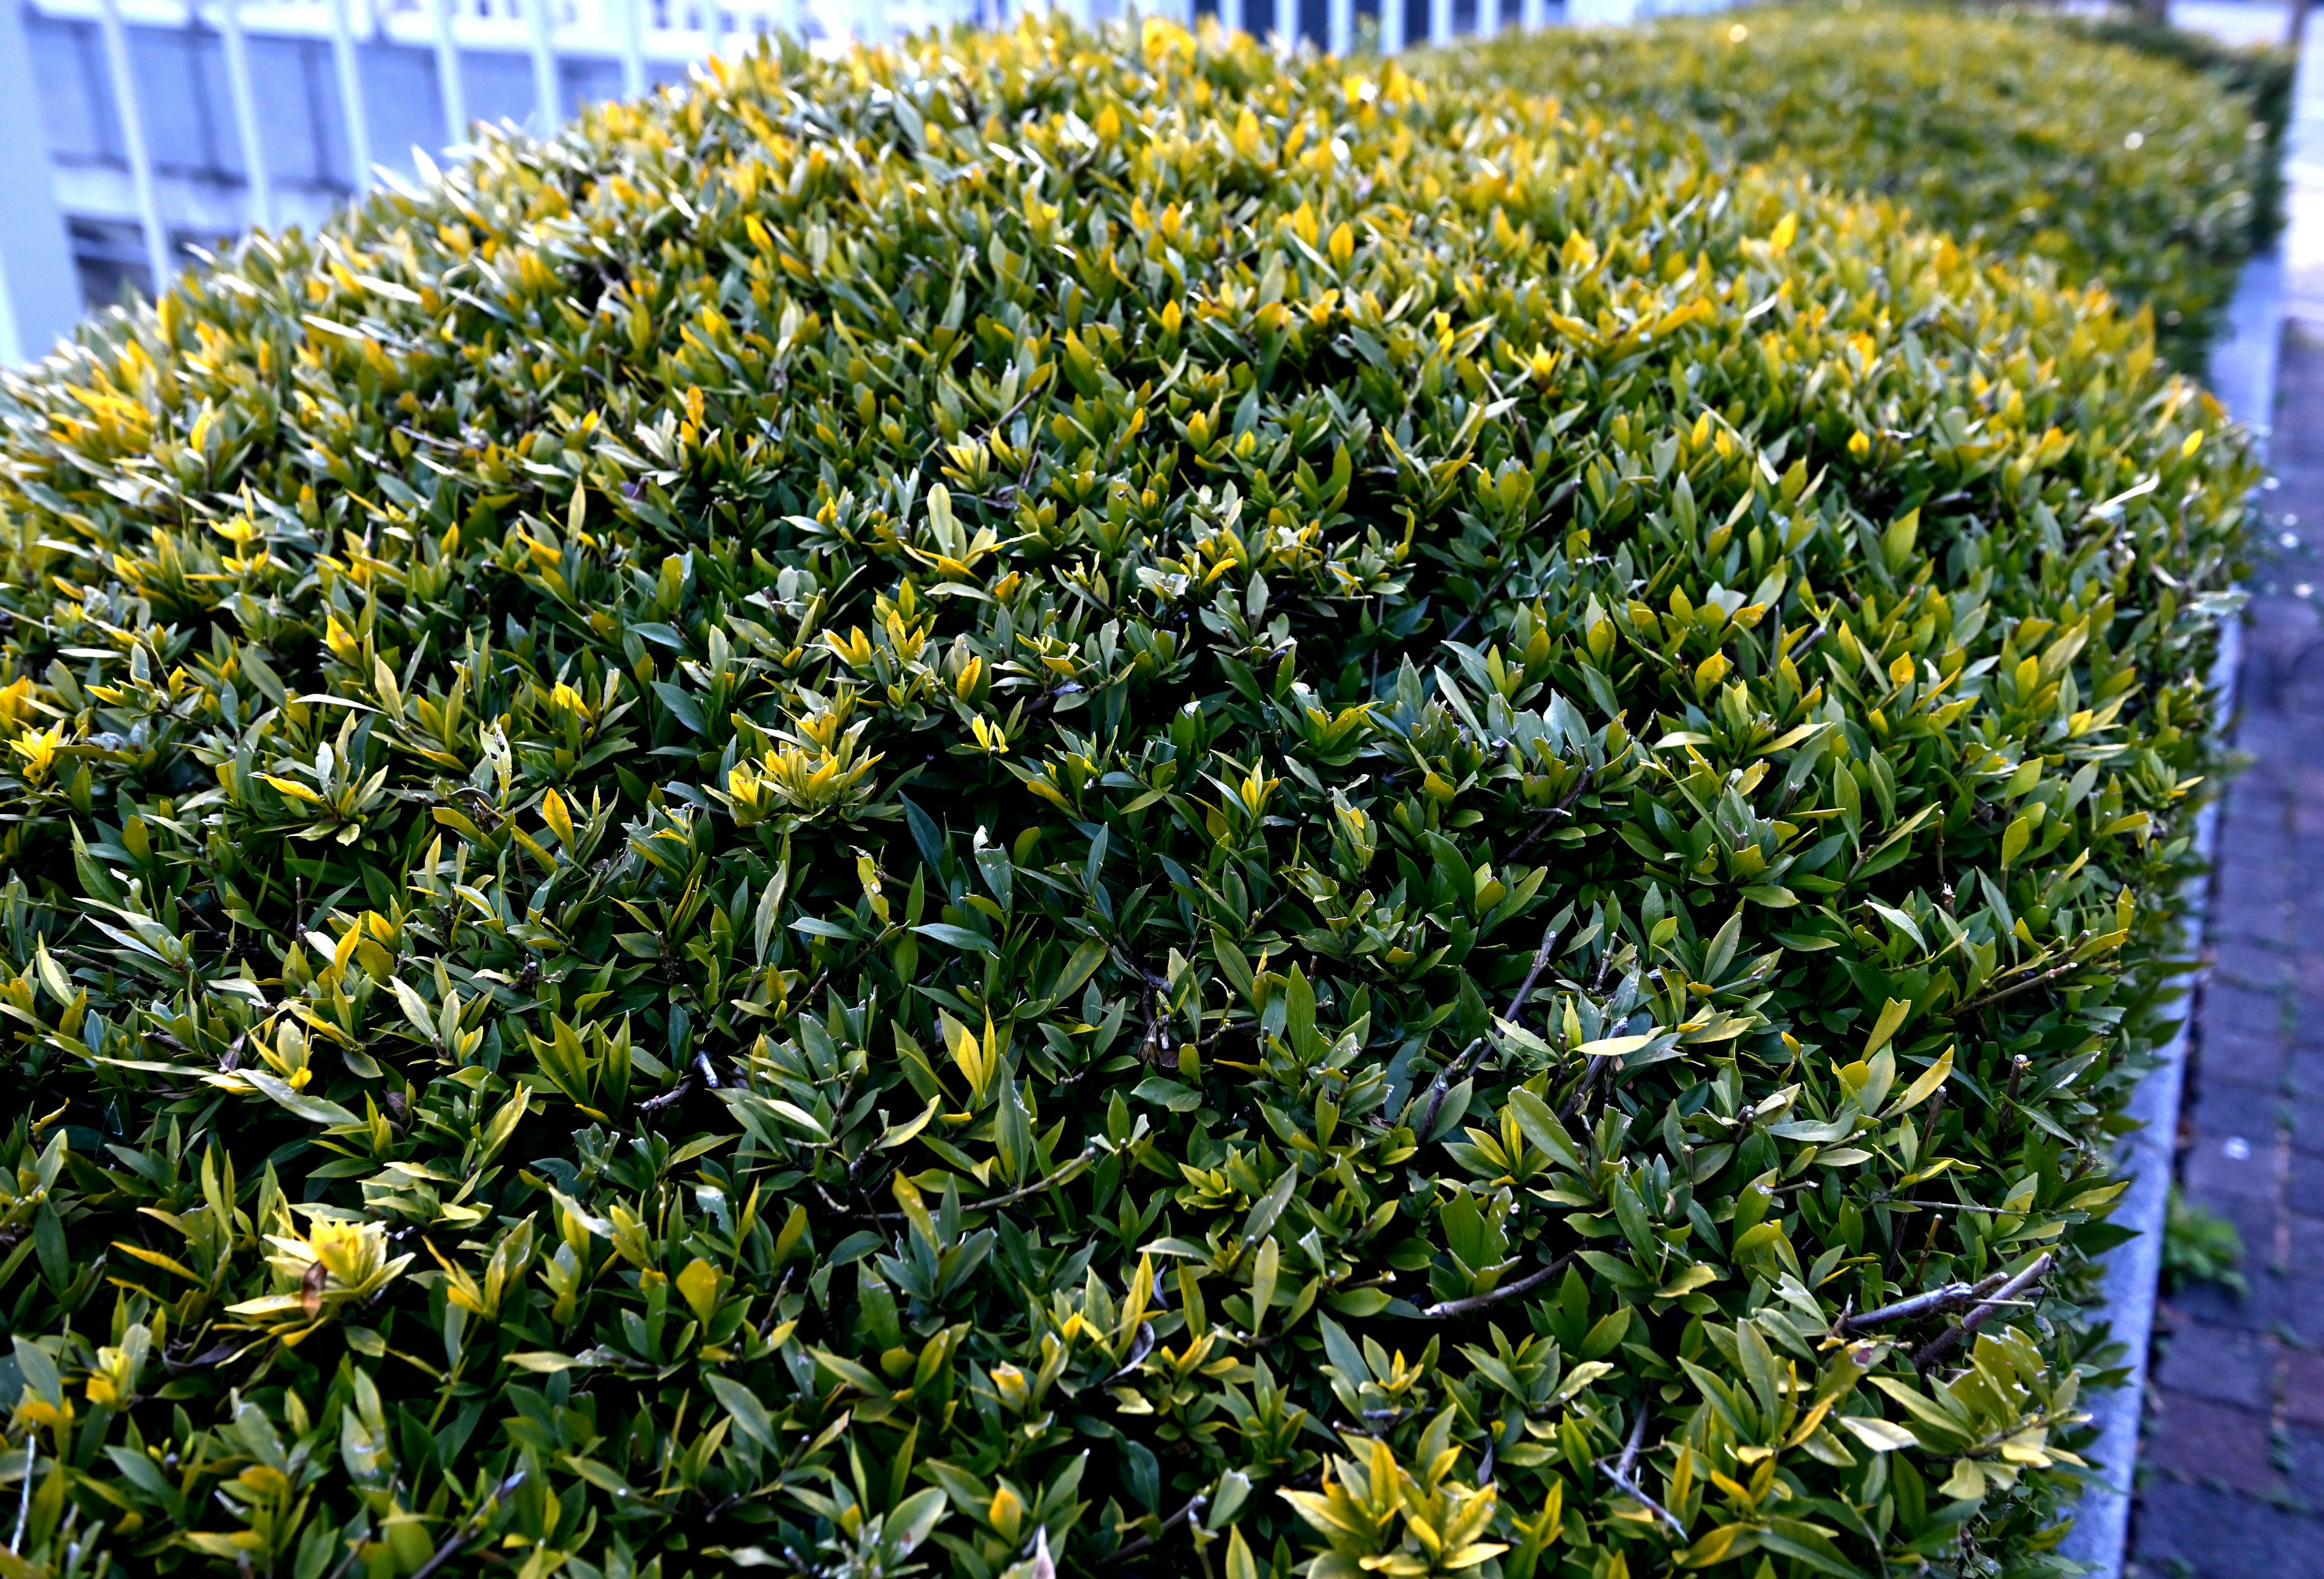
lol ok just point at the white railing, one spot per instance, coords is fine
(470, 53)
(639, 30)
(39, 286)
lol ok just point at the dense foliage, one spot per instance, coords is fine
(2014, 132)
(1092, 805)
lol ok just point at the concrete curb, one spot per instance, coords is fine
(2243, 375)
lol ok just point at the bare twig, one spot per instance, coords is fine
(1637, 1491)
(1516, 1006)
(1943, 1343)
(1928, 1243)
(1637, 1439)
(675, 1093)
(1597, 1066)
(1934, 1302)
(1541, 961)
(1446, 1309)
(1149, 1043)
(1140, 1347)
(1486, 601)
(1581, 1092)
(1605, 964)
(1065, 1175)
(1442, 1085)
(1508, 568)
(2030, 982)
(1936, 1110)
(1195, 1504)
(1548, 818)
(2014, 1110)
(24, 1498)
(1620, 1473)
(1152, 978)
(468, 1526)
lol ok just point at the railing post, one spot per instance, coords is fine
(448, 73)
(1341, 27)
(549, 109)
(132, 144)
(1488, 18)
(633, 48)
(39, 295)
(1529, 15)
(255, 173)
(1287, 26)
(350, 95)
(1440, 22)
(1391, 27)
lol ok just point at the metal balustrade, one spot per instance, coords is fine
(172, 125)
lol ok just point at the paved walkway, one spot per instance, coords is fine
(2232, 1478)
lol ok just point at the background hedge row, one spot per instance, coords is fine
(1077, 804)
(2126, 152)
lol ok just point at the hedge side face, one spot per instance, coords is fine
(2019, 136)
(1091, 804)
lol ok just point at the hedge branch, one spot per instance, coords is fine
(2011, 991)
(1065, 1175)
(1944, 1342)
(1935, 1302)
(1620, 1474)
(1517, 1005)
(1446, 1310)
(1563, 807)
(1195, 1504)
(467, 1529)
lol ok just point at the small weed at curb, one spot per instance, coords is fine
(2198, 1246)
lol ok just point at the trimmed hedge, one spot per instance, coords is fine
(2263, 75)
(2021, 135)
(1095, 805)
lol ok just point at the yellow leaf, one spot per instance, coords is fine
(1006, 1513)
(1920, 1090)
(698, 1285)
(559, 820)
(1892, 1015)
(1878, 1435)
(907, 1196)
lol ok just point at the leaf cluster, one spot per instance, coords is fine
(2120, 153)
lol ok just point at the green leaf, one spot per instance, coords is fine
(314, 1110)
(956, 936)
(1268, 1207)
(751, 1417)
(1165, 1091)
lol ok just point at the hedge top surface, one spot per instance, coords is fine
(2008, 131)
(1063, 799)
